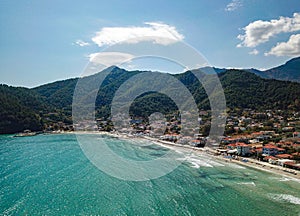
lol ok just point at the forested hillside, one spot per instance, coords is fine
(23, 108)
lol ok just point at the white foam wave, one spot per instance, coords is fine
(214, 163)
(235, 166)
(282, 179)
(247, 183)
(196, 162)
(285, 198)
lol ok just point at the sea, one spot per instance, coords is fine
(51, 175)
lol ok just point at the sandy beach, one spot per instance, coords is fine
(252, 163)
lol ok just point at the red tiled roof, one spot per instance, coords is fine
(241, 144)
(257, 133)
(284, 156)
(232, 144)
(270, 146)
(258, 149)
(196, 141)
(291, 164)
(270, 157)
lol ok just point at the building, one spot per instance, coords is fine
(292, 165)
(198, 143)
(280, 150)
(231, 146)
(271, 159)
(281, 162)
(270, 150)
(284, 156)
(171, 137)
(242, 149)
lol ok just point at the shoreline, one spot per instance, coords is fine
(252, 163)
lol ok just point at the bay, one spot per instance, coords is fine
(50, 175)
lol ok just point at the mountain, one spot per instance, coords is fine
(262, 74)
(58, 94)
(20, 109)
(210, 70)
(23, 108)
(247, 90)
(289, 71)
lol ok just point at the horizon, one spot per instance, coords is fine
(42, 42)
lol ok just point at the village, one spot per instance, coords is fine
(270, 136)
(266, 136)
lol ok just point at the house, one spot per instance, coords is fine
(256, 145)
(281, 162)
(184, 140)
(270, 159)
(228, 140)
(292, 165)
(256, 134)
(269, 150)
(296, 155)
(280, 150)
(263, 137)
(284, 156)
(195, 143)
(171, 137)
(242, 149)
(231, 146)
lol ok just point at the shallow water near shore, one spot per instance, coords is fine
(50, 175)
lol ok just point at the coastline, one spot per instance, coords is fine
(251, 163)
(258, 165)
(60, 167)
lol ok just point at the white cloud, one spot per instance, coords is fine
(129, 66)
(289, 48)
(254, 52)
(81, 43)
(260, 31)
(153, 31)
(110, 58)
(233, 5)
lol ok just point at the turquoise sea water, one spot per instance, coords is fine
(50, 175)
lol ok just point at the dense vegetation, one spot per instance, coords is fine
(246, 90)
(33, 109)
(58, 94)
(20, 109)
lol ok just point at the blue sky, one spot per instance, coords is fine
(44, 41)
